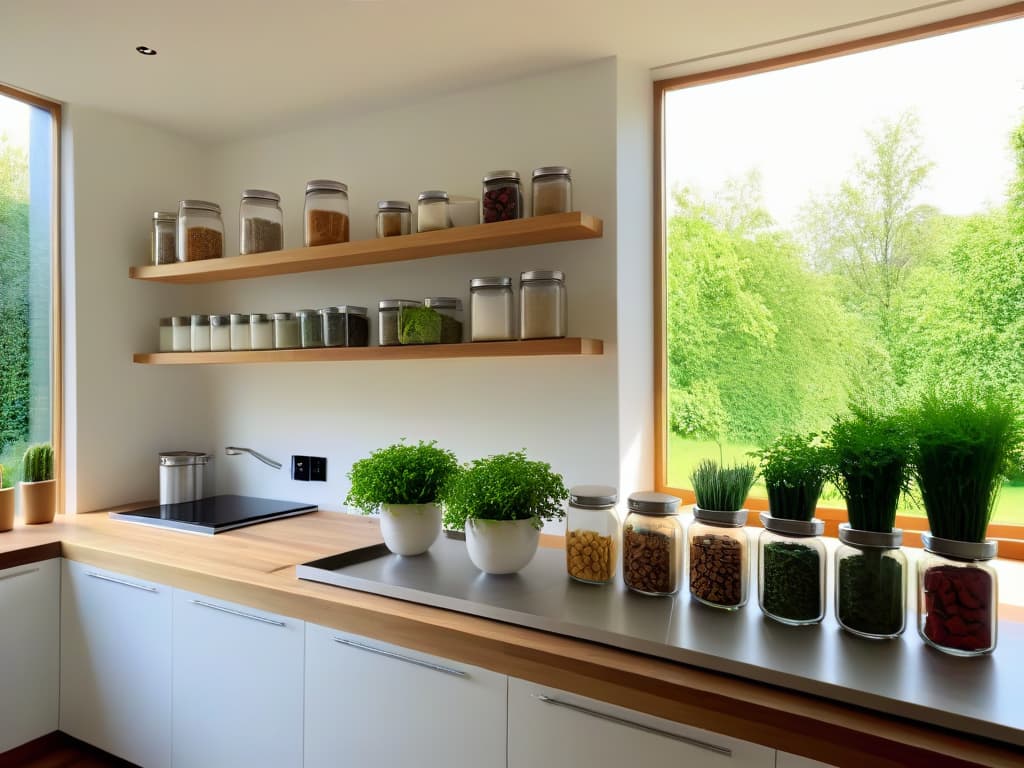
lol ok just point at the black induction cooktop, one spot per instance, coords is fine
(216, 513)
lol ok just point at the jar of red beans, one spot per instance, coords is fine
(502, 197)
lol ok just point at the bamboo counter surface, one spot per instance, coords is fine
(255, 566)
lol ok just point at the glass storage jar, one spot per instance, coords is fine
(387, 320)
(719, 564)
(592, 532)
(491, 309)
(261, 331)
(162, 238)
(181, 333)
(220, 333)
(542, 305)
(791, 570)
(552, 190)
(241, 339)
(871, 582)
(326, 212)
(345, 326)
(432, 211)
(166, 335)
(200, 231)
(419, 324)
(652, 544)
(394, 218)
(200, 339)
(450, 310)
(311, 328)
(958, 596)
(286, 331)
(502, 197)
(260, 222)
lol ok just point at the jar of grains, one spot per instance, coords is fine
(871, 582)
(181, 333)
(220, 333)
(286, 331)
(345, 326)
(592, 532)
(432, 211)
(491, 309)
(311, 333)
(166, 335)
(652, 544)
(241, 339)
(450, 310)
(260, 222)
(200, 231)
(200, 340)
(719, 564)
(162, 238)
(502, 197)
(261, 331)
(543, 310)
(552, 190)
(387, 320)
(791, 570)
(394, 217)
(326, 214)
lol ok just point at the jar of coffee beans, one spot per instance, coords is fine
(592, 534)
(652, 544)
(719, 568)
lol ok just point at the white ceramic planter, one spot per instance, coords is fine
(410, 529)
(501, 546)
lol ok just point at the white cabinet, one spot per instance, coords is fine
(550, 727)
(29, 651)
(786, 760)
(373, 705)
(238, 676)
(115, 651)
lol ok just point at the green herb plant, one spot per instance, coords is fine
(37, 464)
(400, 474)
(721, 488)
(419, 325)
(966, 444)
(795, 468)
(504, 487)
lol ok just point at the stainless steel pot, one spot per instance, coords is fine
(183, 476)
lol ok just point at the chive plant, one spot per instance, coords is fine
(721, 488)
(795, 468)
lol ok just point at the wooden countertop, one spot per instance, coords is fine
(255, 566)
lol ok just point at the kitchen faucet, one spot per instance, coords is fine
(232, 450)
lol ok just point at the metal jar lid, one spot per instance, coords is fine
(490, 282)
(165, 322)
(397, 206)
(396, 303)
(653, 503)
(283, 316)
(351, 309)
(200, 319)
(183, 458)
(786, 527)
(200, 205)
(168, 216)
(542, 274)
(181, 320)
(593, 496)
(960, 550)
(551, 170)
(261, 194)
(258, 317)
(239, 319)
(443, 302)
(301, 313)
(501, 176)
(873, 539)
(433, 194)
(220, 319)
(325, 185)
(733, 519)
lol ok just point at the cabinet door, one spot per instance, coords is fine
(237, 685)
(551, 727)
(373, 705)
(115, 651)
(29, 652)
(786, 760)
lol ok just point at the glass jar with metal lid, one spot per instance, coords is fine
(543, 312)
(502, 197)
(181, 333)
(326, 212)
(261, 331)
(387, 320)
(957, 606)
(552, 190)
(432, 211)
(652, 544)
(719, 564)
(163, 238)
(450, 310)
(394, 218)
(260, 222)
(220, 333)
(241, 339)
(791, 570)
(345, 326)
(166, 335)
(286, 331)
(200, 231)
(871, 582)
(311, 328)
(200, 337)
(592, 533)
(491, 316)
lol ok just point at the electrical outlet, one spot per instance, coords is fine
(300, 467)
(318, 469)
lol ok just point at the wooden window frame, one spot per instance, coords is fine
(1010, 537)
(56, 292)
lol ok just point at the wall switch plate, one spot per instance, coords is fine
(318, 469)
(300, 467)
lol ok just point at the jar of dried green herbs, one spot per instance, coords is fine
(450, 310)
(791, 570)
(871, 582)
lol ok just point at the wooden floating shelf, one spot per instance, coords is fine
(532, 348)
(555, 228)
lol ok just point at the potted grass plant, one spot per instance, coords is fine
(717, 540)
(791, 556)
(6, 499)
(870, 465)
(501, 502)
(402, 483)
(965, 446)
(38, 488)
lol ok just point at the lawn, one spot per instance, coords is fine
(684, 454)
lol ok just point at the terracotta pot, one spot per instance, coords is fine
(39, 501)
(6, 509)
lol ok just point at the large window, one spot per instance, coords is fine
(842, 228)
(29, 352)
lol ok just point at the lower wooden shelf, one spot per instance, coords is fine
(532, 348)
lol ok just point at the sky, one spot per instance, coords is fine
(14, 121)
(804, 126)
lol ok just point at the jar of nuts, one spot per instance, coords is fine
(652, 544)
(719, 570)
(592, 533)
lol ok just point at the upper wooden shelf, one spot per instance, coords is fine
(555, 228)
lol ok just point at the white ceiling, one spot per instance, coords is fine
(226, 68)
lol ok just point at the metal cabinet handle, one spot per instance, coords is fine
(122, 582)
(233, 612)
(19, 573)
(400, 657)
(636, 726)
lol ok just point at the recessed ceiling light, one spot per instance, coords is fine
(145, 50)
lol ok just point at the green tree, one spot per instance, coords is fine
(14, 263)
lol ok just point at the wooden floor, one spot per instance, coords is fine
(59, 750)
